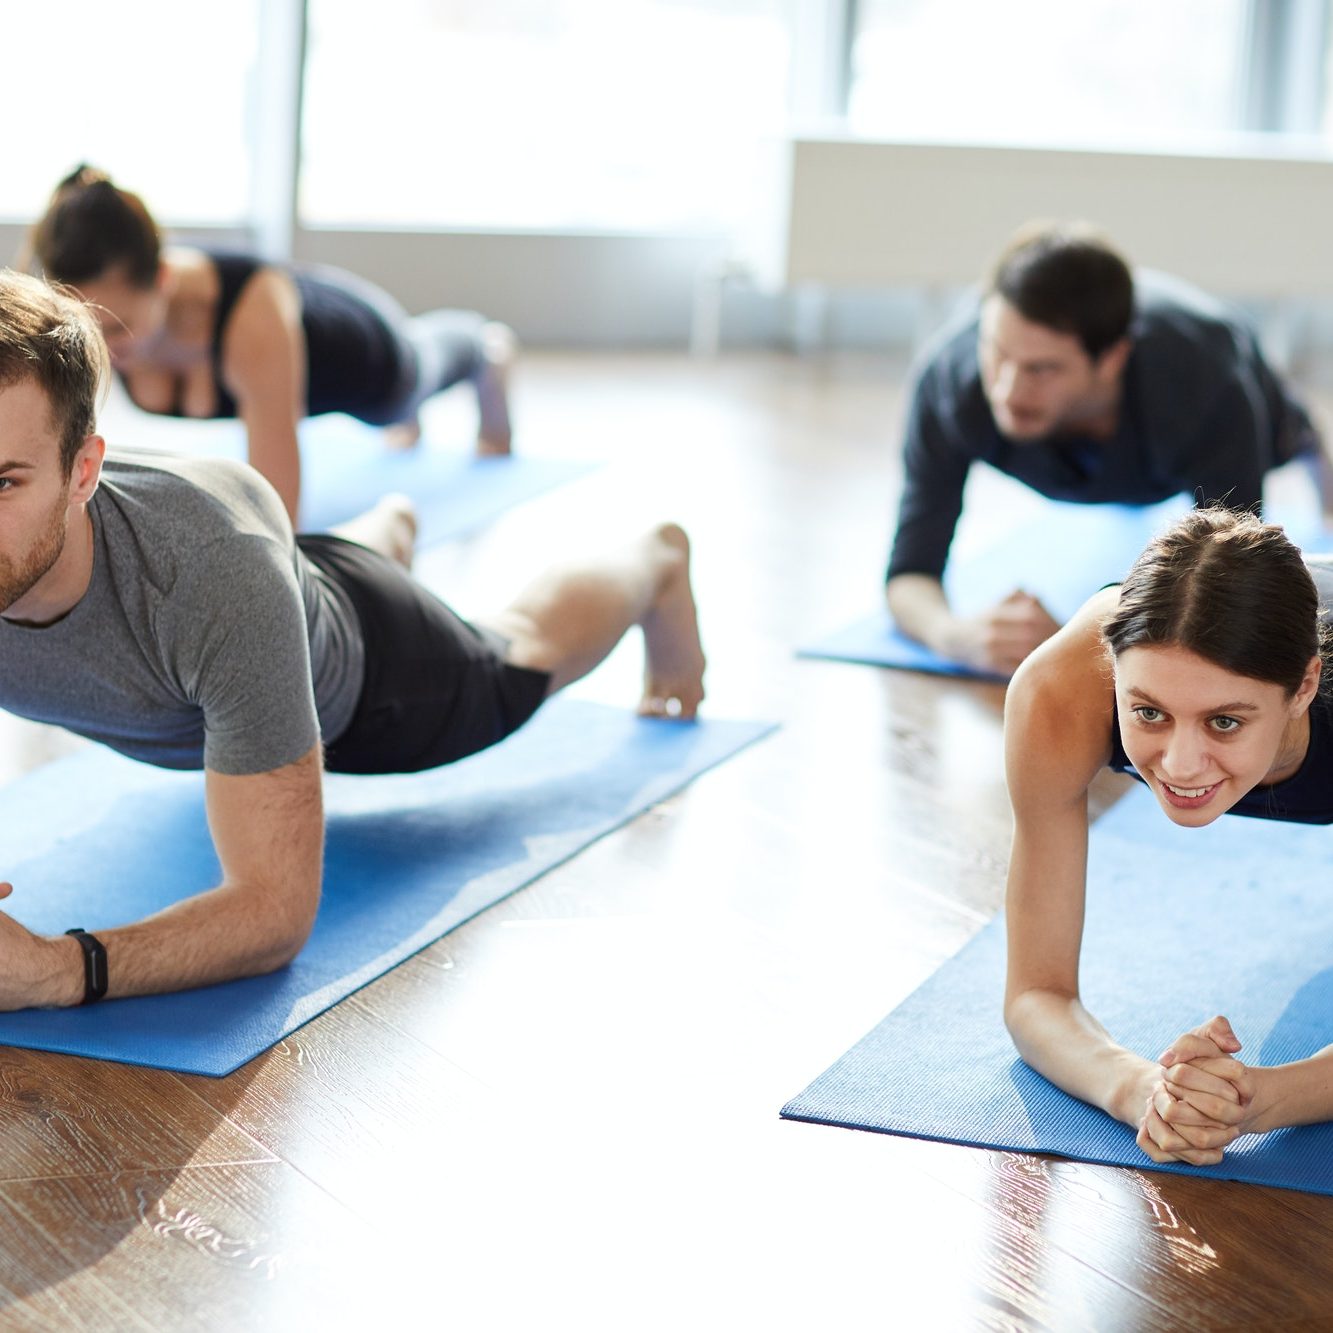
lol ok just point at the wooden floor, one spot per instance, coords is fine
(565, 1114)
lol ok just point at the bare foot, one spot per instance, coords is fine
(389, 528)
(499, 348)
(673, 677)
(403, 435)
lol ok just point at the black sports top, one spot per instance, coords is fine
(355, 360)
(1304, 798)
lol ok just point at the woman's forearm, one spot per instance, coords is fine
(1064, 1043)
(1299, 1093)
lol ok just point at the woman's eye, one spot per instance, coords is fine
(1225, 724)
(1146, 714)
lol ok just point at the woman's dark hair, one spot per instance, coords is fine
(91, 226)
(1068, 277)
(1231, 589)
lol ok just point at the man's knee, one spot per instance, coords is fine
(526, 645)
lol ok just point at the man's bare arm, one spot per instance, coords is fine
(920, 608)
(268, 829)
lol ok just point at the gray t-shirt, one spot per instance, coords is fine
(205, 638)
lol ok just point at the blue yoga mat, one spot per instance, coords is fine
(1062, 558)
(1235, 918)
(97, 840)
(346, 467)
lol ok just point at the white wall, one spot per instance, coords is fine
(858, 212)
(614, 291)
(556, 291)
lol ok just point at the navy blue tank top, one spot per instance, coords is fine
(357, 361)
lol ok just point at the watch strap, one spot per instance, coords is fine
(94, 965)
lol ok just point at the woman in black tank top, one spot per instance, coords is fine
(1201, 674)
(206, 333)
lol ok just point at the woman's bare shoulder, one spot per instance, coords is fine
(1059, 708)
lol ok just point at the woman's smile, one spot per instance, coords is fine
(1188, 798)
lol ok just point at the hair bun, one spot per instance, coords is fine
(82, 177)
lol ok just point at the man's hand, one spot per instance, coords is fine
(999, 639)
(36, 970)
(996, 641)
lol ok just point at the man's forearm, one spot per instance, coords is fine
(215, 936)
(268, 829)
(921, 610)
(221, 935)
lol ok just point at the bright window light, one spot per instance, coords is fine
(1049, 72)
(155, 92)
(625, 115)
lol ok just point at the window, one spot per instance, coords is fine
(156, 92)
(634, 115)
(1099, 72)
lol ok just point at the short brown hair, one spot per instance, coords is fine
(49, 336)
(1067, 276)
(91, 226)
(1229, 588)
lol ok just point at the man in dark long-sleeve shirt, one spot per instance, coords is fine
(1089, 386)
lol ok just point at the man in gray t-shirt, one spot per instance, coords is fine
(164, 607)
(201, 632)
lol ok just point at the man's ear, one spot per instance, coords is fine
(87, 470)
(1111, 363)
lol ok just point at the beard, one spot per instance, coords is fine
(18, 577)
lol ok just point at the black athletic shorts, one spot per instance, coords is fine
(436, 689)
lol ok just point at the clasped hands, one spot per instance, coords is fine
(1201, 1098)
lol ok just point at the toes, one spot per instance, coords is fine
(667, 706)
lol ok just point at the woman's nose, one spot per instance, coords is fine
(1185, 757)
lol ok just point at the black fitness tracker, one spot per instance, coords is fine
(94, 965)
